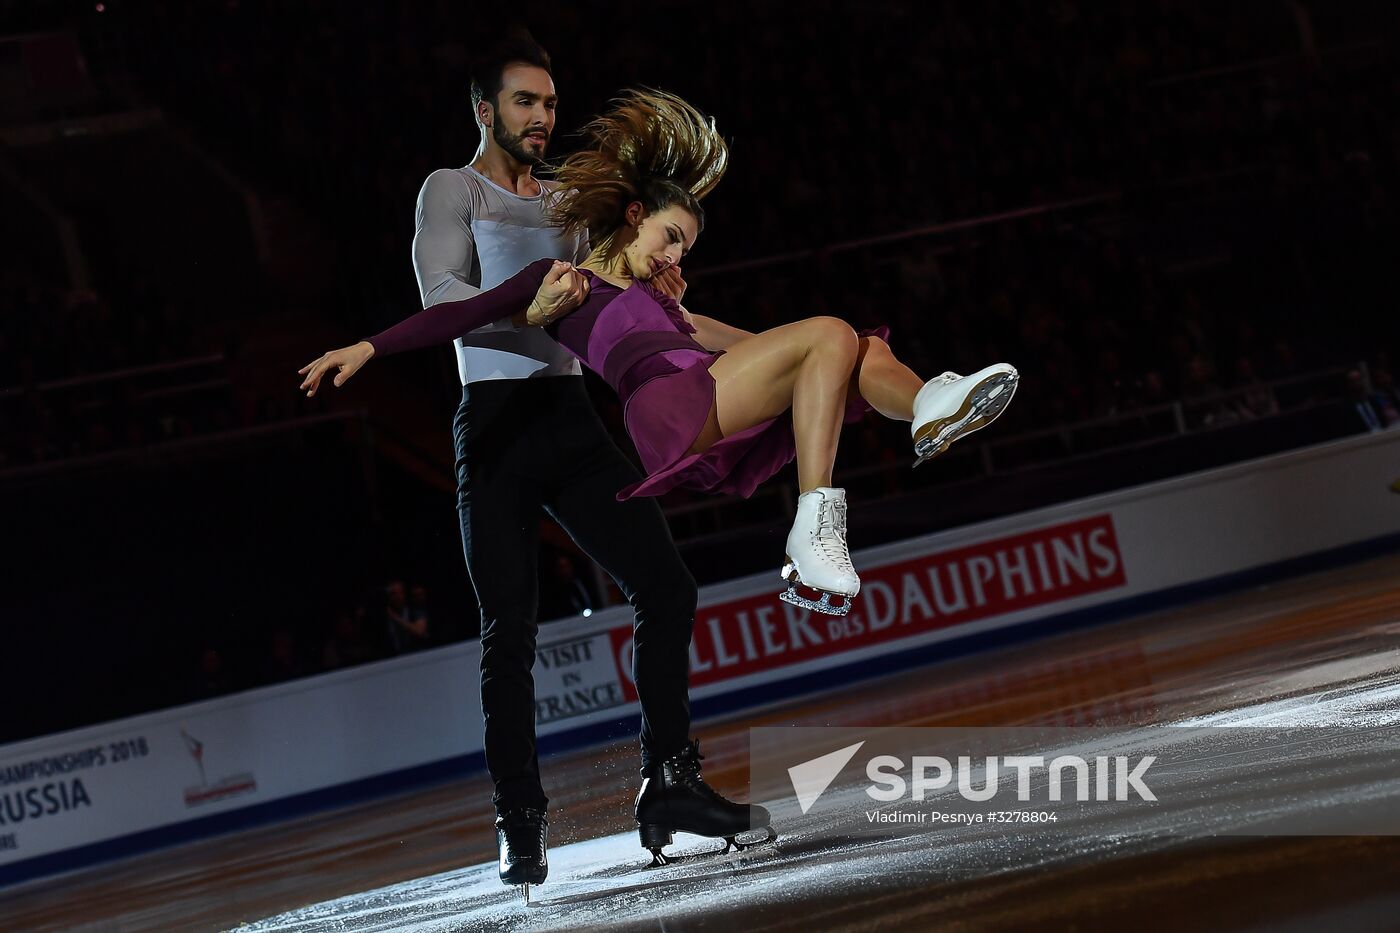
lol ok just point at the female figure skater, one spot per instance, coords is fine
(708, 406)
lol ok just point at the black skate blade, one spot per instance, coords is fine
(735, 847)
(755, 839)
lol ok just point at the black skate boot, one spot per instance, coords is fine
(674, 799)
(521, 837)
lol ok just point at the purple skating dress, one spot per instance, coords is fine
(638, 341)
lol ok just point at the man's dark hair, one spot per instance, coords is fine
(516, 47)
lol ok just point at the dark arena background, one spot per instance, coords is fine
(240, 644)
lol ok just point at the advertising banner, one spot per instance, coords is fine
(119, 787)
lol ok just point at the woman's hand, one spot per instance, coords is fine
(563, 290)
(347, 359)
(669, 282)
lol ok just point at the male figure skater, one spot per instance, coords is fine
(527, 438)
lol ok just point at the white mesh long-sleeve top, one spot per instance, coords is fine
(472, 235)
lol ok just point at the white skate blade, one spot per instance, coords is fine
(823, 606)
(981, 407)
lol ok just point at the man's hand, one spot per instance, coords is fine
(347, 360)
(564, 289)
(669, 282)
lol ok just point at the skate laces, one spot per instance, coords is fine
(685, 771)
(830, 535)
(685, 765)
(689, 759)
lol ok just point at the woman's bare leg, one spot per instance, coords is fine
(884, 382)
(806, 366)
(955, 408)
(810, 366)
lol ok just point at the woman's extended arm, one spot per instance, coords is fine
(533, 296)
(712, 334)
(449, 320)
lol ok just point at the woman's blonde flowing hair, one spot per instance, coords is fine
(652, 147)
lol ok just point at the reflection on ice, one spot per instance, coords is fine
(603, 882)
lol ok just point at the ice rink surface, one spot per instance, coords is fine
(1322, 651)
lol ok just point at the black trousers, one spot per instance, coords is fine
(527, 444)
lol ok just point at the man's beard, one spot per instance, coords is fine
(515, 146)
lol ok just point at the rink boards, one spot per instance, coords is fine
(101, 792)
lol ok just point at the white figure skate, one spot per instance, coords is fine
(817, 556)
(952, 406)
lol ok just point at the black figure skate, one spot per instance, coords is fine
(674, 799)
(521, 838)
